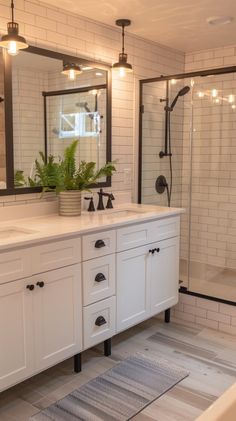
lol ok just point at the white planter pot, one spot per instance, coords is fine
(70, 203)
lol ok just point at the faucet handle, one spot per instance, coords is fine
(91, 207)
(109, 201)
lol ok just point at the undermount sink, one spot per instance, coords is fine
(12, 232)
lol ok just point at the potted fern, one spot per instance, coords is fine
(68, 180)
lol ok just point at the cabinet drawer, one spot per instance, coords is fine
(99, 244)
(141, 234)
(98, 279)
(56, 255)
(99, 322)
(15, 265)
(164, 229)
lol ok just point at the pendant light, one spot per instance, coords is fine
(122, 66)
(12, 41)
(71, 70)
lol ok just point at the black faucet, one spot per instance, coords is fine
(100, 200)
(110, 196)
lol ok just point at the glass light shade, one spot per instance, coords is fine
(13, 42)
(122, 66)
(71, 70)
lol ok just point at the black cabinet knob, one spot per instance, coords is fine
(30, 287)
(99, 244)
(157, 250)
(100, 277)
(150, 251)
(100, 321)
(40, 284)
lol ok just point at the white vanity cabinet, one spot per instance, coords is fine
(58, 298)
(147, 276)
(40, 315)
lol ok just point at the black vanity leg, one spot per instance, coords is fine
(77, 363)
(167, 315)
(107, 347)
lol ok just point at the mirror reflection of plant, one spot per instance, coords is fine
(65, 175)
(19, 179)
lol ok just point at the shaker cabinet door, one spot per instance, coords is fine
(57, 315)
(164, 275)
(133, 287)
(16, 350)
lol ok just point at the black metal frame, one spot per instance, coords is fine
(184, 290)
(8, 103)
(200, 73)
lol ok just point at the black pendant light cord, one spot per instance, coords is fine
(12, 11)
(123, 39)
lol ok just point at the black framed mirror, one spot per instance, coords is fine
(46, 108)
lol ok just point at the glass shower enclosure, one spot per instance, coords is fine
(188, 159)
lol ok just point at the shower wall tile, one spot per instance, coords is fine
(213, 212)
(204, 312)
(53, 28)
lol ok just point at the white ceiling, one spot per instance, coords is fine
(179, 24)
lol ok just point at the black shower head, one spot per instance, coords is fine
(182, 92)
(83, 105)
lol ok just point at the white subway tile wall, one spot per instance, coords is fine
(213, 236)
(205, 312)
(53, 28)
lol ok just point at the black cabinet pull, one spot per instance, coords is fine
(40, 284)
(100, 321)
(30, 287)
(153, 250)
(100, 277)
(99, 244)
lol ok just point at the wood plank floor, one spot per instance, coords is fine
(208, 355)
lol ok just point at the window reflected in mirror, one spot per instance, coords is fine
(79, 115)
(2, 128)
(51, 109)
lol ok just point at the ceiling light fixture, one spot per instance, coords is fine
(71, 70)
(122, 66)
(12, 41)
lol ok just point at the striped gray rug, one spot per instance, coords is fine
(118, 394)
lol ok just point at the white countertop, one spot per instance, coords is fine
(55, 227)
